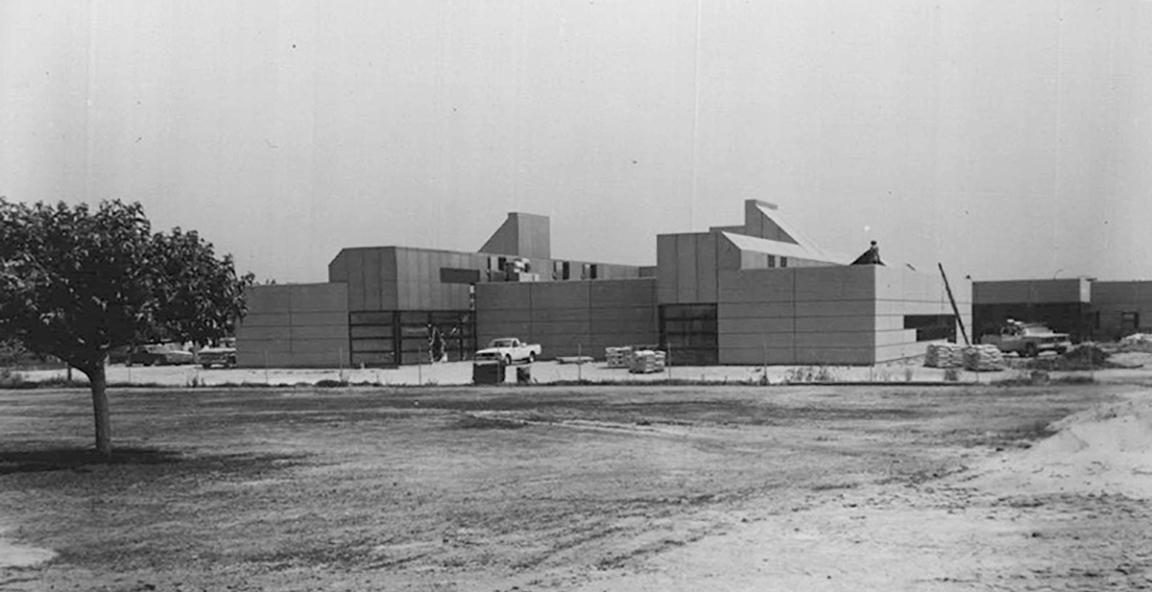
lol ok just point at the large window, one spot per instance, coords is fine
(392, 338)
(688, 332)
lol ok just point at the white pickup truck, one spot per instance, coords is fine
(509, 350)
(1027, 339)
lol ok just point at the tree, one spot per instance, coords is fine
(77, 282)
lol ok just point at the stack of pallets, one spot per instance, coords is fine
(646, 361)
(983, 358)
(618, 357)
(944, 355)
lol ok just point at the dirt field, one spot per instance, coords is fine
(588, 488)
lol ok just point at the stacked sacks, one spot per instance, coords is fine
(617, 357)
(983, 358)
(646, 361)
(944, 355)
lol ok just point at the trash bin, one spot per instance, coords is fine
(488, 372)
(524, 375)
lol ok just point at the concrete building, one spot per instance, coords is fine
(1086, 309)
(759, 292)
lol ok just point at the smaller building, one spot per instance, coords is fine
(1085, 308)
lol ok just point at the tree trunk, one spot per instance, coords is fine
(99, 383)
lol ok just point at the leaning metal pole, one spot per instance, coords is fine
(955, 310)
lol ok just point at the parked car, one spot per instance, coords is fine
(509, 350)
(223, 355)
(160, 355)
(1027, 339)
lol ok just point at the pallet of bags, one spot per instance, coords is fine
(983, 358)
(944, 355)
(646, 362)
(618, 357)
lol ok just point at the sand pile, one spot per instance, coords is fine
(1107, 449)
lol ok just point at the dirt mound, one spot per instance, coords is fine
(1102, 450)
(1082, 357)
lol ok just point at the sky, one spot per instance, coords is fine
(1005, 139)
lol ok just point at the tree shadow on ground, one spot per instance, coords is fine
(80, 459)
(70, 458)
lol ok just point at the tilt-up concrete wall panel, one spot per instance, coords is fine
(706, 255)
(308, 319)
(667, 282)
(372, 279)
(686, 281)
(259, 319)
(1031, 291)
(354, 261)
(273, 299)
(266, 333)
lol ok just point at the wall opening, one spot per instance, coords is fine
(688, 332)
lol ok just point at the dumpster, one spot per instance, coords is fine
(488, 372)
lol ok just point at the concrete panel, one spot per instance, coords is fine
(320, 332)
(316, 360)
(247, 334)
(757, 340)
(756, 326)
(834, 356)
(860, 339)
(268, 299)
(319, 297)
(258, 346)
(388, 296)
(310, 346)
(758, 285)
(844, 308)
(729, 257)
(758, 356)
(354, 259)
(486, 331)
(638, 292)
(687, 282)
(706, 267)
(253, 319)
(895, 337)
(560, 295)
(320, 318)
(901, 352)
(856, 282)
(338, 268)
(540, 314)
(736, 311)
(825, 324)
(667, 281)
(607, 316)
(1029, 291)
(372, 280)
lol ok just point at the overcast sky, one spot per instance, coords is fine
(1004, 138)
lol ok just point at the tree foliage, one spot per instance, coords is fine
(76, 282)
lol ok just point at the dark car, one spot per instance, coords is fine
(159, 355)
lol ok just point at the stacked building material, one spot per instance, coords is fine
(944, 355)
(646, 361)
(983, 358)
(618, 357)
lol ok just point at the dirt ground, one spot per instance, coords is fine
(581, 488)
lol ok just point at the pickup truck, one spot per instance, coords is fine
(509, 350)
(1027, 339)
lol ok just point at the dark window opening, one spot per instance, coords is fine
(567, 271)
(593, 271)
(932, 327)
(771, 261)
(783, 262)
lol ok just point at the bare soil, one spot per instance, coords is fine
(554, 488)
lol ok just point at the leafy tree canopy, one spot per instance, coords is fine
(77, 281)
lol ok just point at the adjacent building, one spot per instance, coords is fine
(1085, 308)
(755, 293)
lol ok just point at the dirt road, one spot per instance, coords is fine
(591, 488)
